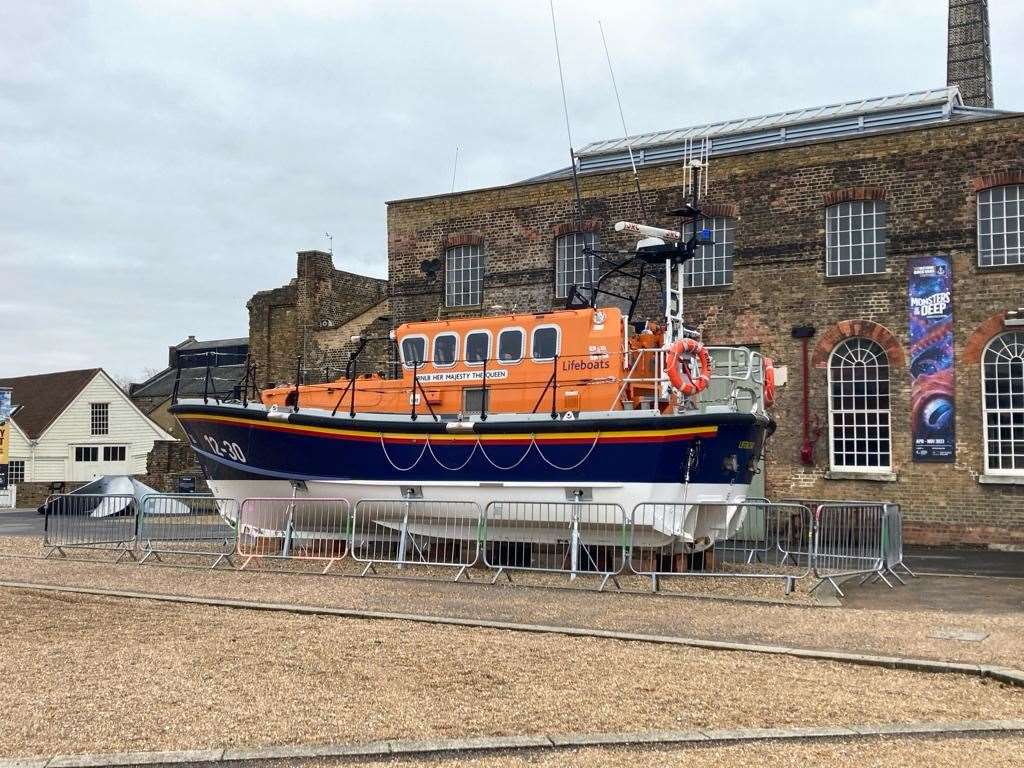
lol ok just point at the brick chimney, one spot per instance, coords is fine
(969, 52)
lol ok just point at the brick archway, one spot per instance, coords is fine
(982, 335)
(848, 329)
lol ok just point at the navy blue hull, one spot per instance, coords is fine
(235, 444)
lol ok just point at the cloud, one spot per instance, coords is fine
(164, 161)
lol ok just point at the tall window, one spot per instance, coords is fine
(855, 238)
(100, 418)
(1001, 226)
(16, 472)
(1003, 378)
(712, 264)
(463, 275)
(572, 265)
(858, 413)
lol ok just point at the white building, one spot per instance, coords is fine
(76, 425)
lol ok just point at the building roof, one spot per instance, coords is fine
(192, 343)
(45, 396)
(904, 111)
(192, 381)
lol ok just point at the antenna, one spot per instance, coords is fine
(455, 167)
(330, 242)
(625, 131)
(568, 129)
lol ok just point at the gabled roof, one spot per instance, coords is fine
(44, 397)
(192, 343)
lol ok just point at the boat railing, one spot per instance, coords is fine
(225, 376)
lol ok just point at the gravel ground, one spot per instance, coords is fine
(876, 753)
(103, 674)
(872, 631)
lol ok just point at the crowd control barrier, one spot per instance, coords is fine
(97, 521)
(573, 538)
(308, 529)
(187, 524)
(407, 532)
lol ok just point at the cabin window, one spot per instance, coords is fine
(446, 349)
(510, 345)
(478, 347)
(463, 275)
(572, 265)
(545, 342)
(414, 350)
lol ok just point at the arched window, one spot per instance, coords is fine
(855, 235)
(1002, 374)
(858, 412)
(572, 265)
(712, 264)
(1001, 226)
(463, 275)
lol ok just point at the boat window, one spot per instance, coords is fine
(446, 349)
(510, 345)
(414, 348)
(478, 347)
(545, 342)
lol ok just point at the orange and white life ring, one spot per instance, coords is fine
(675, 372)
(769, 381)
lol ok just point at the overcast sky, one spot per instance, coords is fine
(160, 162)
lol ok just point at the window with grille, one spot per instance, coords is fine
(100, 418)
(16, 472)
(1003, 379)
(855, 238)
(463, 275)
(572, 265)
(712, 264)
(113, 452)
(858, 379)
(1001, 226)
(87, 453)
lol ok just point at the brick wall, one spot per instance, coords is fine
(308, 317)
(927, 176)
(168, 462)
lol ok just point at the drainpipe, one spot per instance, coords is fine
(804, 334)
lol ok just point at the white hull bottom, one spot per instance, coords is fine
(703, 514)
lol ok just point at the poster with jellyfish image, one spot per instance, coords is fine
(932, 386)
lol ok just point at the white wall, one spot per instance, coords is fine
(53, 457)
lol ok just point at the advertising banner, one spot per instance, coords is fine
(932, 405)
(5, 434)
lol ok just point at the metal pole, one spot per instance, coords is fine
(554, 387)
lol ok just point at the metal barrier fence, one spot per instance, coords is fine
(555, 537)
(187, 524)
(894, 542)
(294, 528)
(404, 532)
(91, 522)
(849, 540)
(790, 540)
(776, 543)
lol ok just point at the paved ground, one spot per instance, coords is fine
(952, 594)
(20, 522)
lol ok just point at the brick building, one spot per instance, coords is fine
(816, 214)
(314, 317)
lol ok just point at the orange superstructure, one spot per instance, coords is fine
(567, 360)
